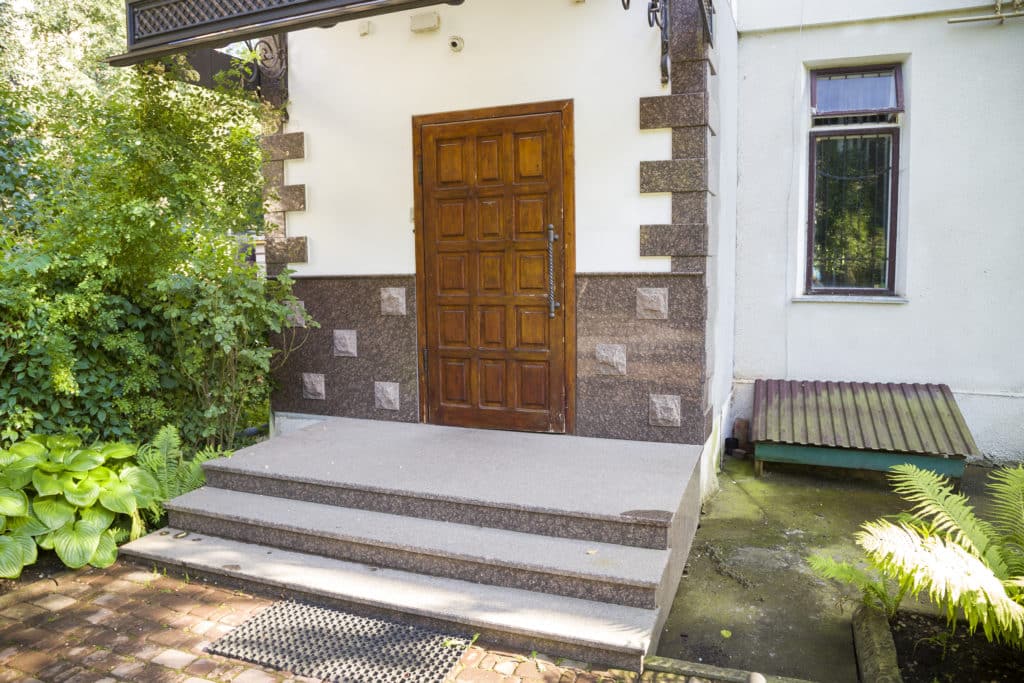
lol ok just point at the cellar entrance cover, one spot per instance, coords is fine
(338, 646)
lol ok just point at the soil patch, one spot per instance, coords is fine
(919, 645)
(48, 565)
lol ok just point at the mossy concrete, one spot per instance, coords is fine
(749, 600)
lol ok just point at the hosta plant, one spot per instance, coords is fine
(77, 500)
(967, 565)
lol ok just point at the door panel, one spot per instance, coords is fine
(494, 355)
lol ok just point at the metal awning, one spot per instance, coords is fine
(162, 27)
(904, 418)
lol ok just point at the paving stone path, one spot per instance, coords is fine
(127, 623)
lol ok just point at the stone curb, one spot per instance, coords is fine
(715, 674)
(875, 648)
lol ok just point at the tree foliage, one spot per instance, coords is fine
(126, 204)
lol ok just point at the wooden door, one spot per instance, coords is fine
(493, 258)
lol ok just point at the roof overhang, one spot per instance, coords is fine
(162, 27)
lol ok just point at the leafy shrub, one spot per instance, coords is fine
(175, 475)
(125, 302)
(77, 500)
(941, 547)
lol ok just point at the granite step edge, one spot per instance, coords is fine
(653, 518)
(580, 629)
(602, 529)
(502, 547)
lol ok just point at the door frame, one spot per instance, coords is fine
(565, 108)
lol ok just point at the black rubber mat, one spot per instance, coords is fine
(337, 646)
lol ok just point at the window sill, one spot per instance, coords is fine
(851, 299)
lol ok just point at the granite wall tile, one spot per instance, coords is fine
(673, 111)
(674, 175)
(284, 146)
(666, 356)
(285, 198)
(281, 250)
(387, 350)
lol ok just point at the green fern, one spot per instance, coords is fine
(874, 589)
(948, 514)
(175, 474)
(1007, 487)
(962, 562)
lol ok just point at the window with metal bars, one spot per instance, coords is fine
(853, 180)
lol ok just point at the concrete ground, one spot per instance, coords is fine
(749, 600)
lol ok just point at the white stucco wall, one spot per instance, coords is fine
(961, 223)
(354, 98)
(722, 241)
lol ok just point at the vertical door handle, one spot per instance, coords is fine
(552, 304)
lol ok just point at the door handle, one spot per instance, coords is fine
(552, 304)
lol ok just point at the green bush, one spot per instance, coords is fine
(965, 564)
(76, 500)
(124, 299)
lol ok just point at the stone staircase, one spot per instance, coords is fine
(565, 545)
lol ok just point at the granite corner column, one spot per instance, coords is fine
(690, 175)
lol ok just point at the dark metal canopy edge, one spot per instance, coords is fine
(190, 24)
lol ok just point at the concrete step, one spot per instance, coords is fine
(602, 490)
(585, 630)
(583, 569)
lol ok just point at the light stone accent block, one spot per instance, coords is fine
(652, 303)
(611, 359)
(666, 411)
(297, 317)
(313, 387)
(392, 301)
(346, 343)
(386, 395)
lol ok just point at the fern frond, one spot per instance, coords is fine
(843, 572)
(948, 514)
(949, 573)
(1007, 513)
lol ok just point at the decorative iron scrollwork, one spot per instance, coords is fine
(269, 73)
(658, 17)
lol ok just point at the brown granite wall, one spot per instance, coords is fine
(640, 356)
(361, 362)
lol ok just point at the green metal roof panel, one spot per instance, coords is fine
(903, 418)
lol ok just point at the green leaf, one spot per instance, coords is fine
(83, 461)
(106, 551)
(13, 503)
(28, 525)
(144, 484)
(76, 543)
(97, 517)
(29, 449)
(79, 493)
(46, 484)
(19, 474)
(119, 497)
(63, 442)
(50, 466)
(12, 557)
(53, 511)
(118, 451)
(45, 541)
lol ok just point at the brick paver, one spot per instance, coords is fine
(128, 624)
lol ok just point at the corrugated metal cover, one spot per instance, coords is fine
(902, 418)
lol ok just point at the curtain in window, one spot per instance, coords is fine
(856, 92)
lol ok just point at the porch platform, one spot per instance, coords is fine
(567, 545)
